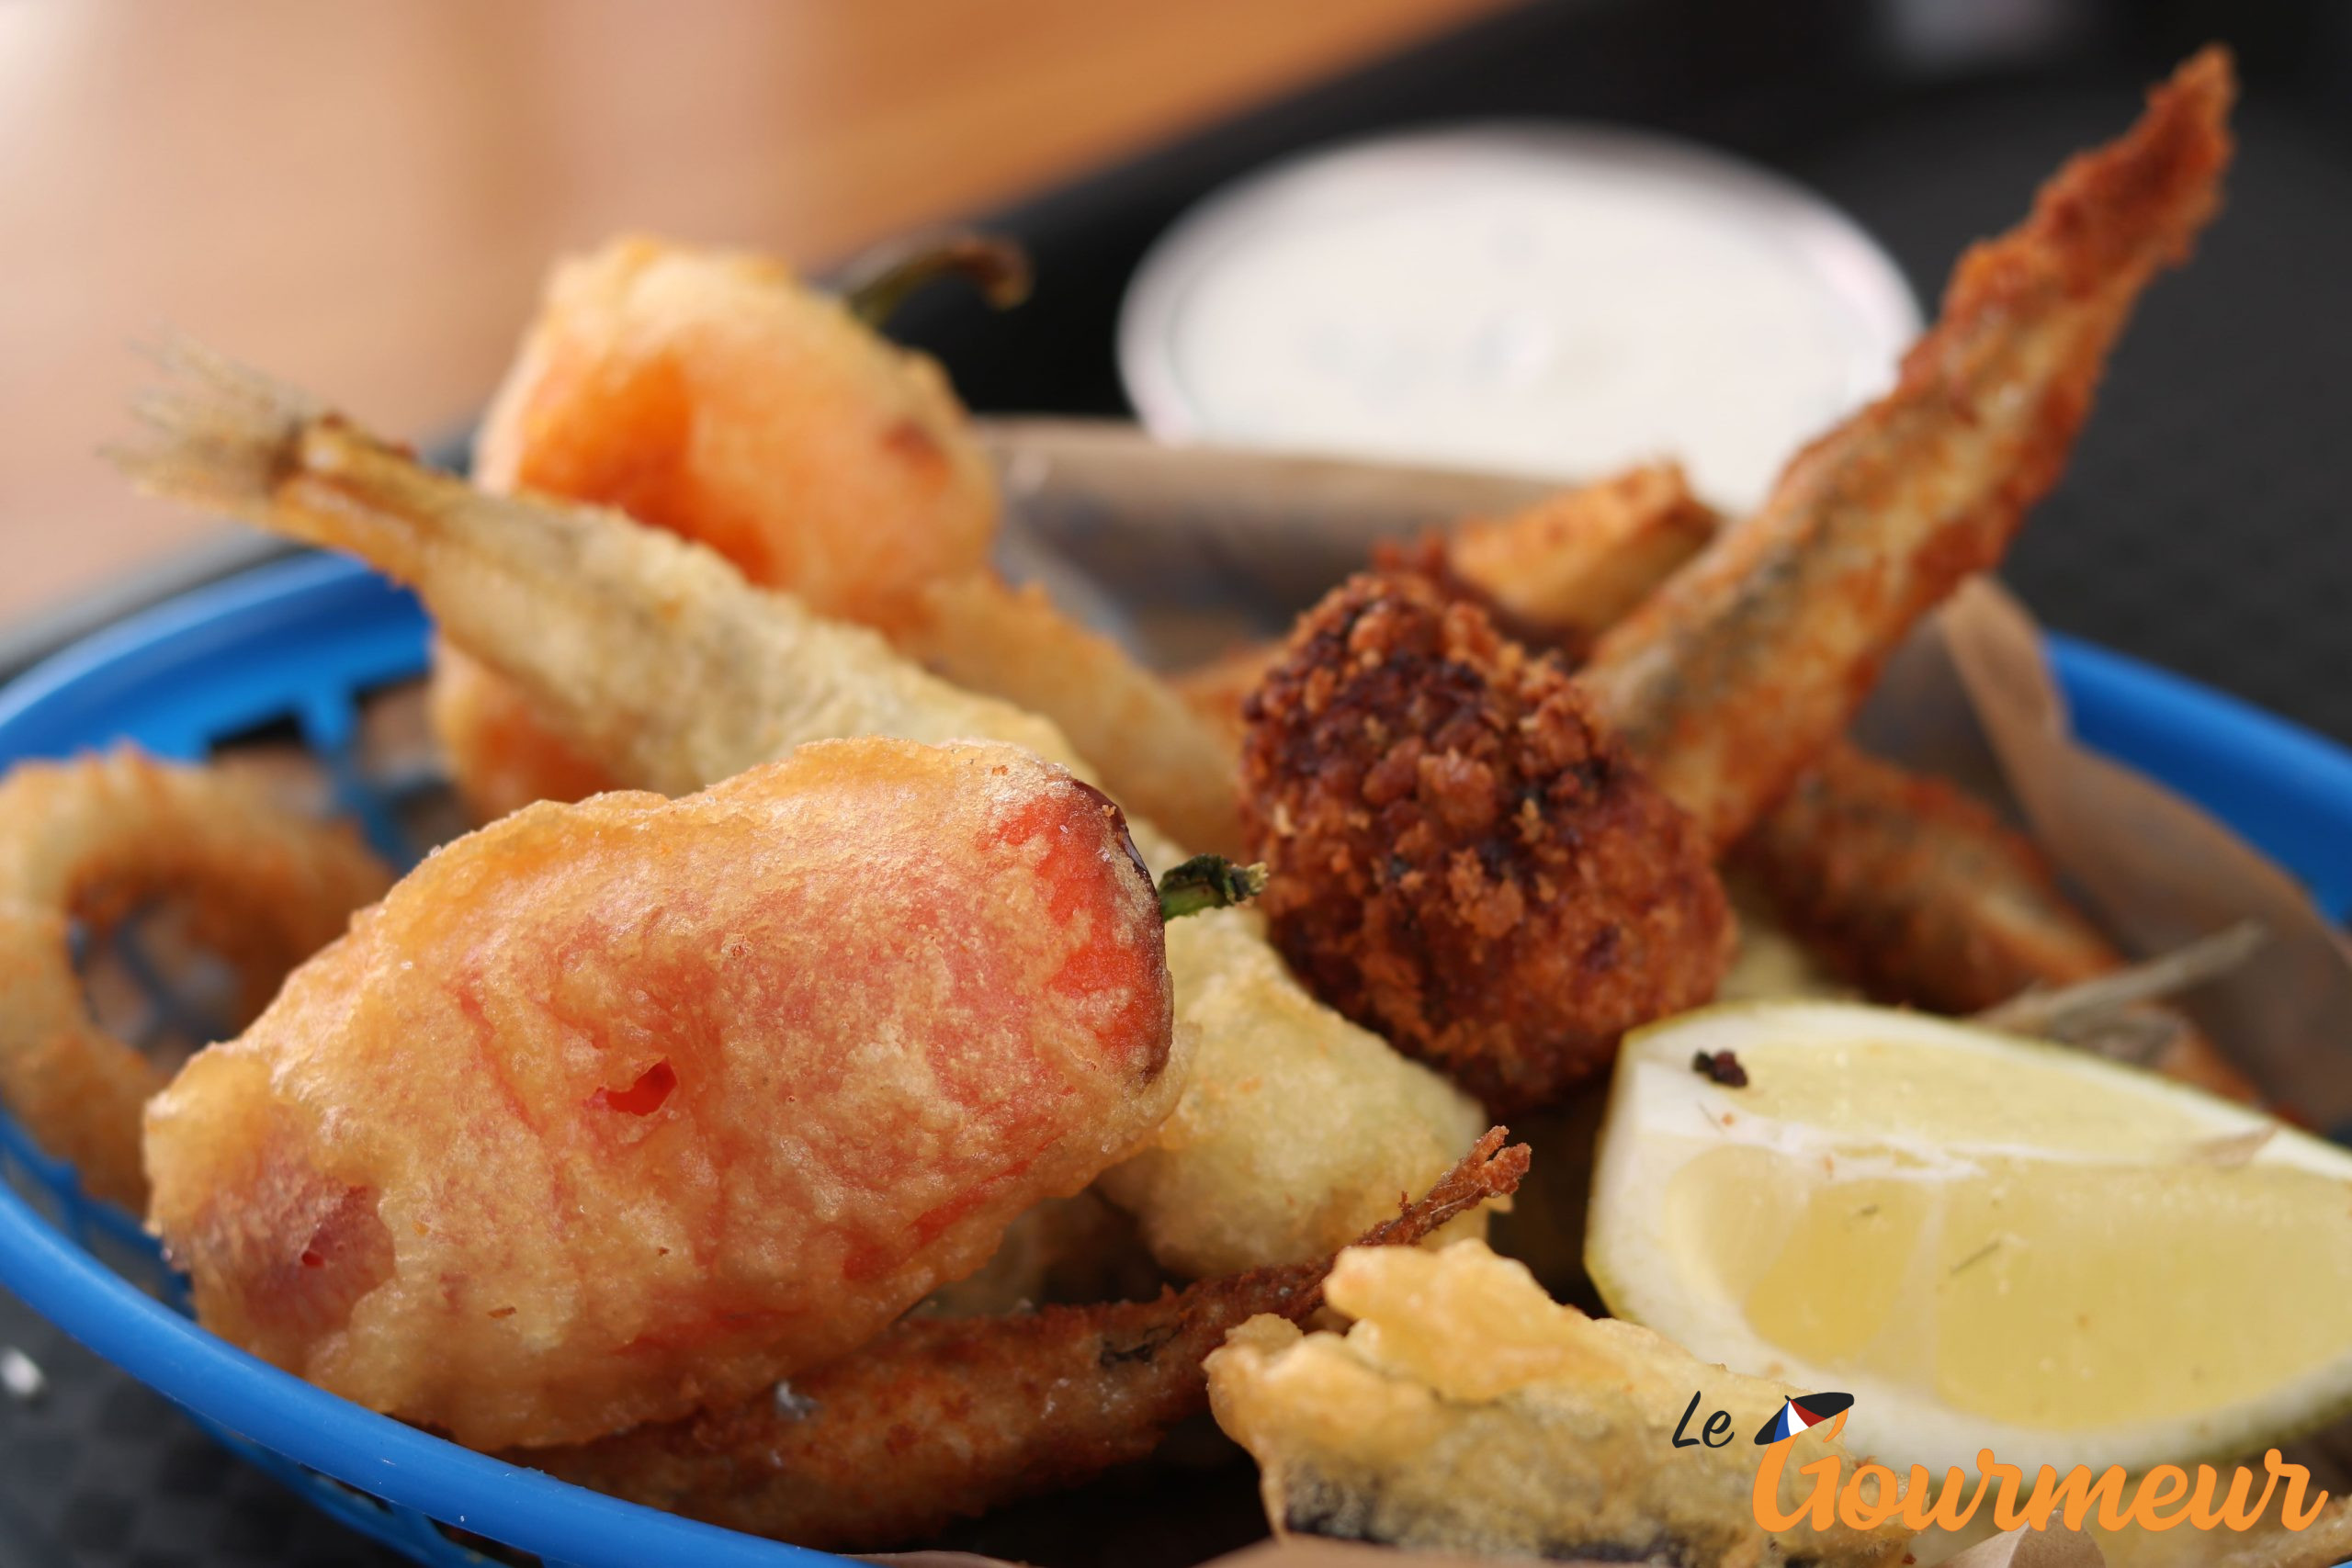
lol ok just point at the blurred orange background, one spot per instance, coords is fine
(362, 196)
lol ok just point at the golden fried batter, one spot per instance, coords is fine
(712, 393)
(502, 756)
(612, 1111)
(1467, 1412)
(1577, 563)
(938, 1419)
(92, 840)
(1458, 856)
(1735, 674)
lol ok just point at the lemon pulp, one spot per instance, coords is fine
(2055, 1295)
(1989, 1235)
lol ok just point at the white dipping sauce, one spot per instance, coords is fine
(1556, 300)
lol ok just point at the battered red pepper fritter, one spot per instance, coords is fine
(1460, 857)
(614, 1110)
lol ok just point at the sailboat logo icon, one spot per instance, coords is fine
(1806, 1410)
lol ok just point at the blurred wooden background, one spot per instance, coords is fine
(361, 196)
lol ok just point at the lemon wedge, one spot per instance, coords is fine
(1989, 1242)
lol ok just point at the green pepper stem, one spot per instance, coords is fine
(1208, 882)
(885, 278)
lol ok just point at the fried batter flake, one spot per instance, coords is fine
(1465, 1411)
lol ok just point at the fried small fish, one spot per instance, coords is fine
(1495, 868)
(940, 1419)
(1154, 753)
(1923, 897)
(1735, 674)
(713, 394)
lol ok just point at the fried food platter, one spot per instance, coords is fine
(624, 1139)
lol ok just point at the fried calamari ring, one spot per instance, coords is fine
(612, 1111)
(93, 840)
(1459, 857)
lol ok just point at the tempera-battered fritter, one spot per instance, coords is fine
(692, 389)
(612, 1111)
(1458, 856)
(1466, 1412)
(713, 394)
(708, 392)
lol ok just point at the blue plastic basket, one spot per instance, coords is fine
(304, 640)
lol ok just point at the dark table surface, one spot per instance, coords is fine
(2200, 526)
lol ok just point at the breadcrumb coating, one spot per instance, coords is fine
(1460, 857)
